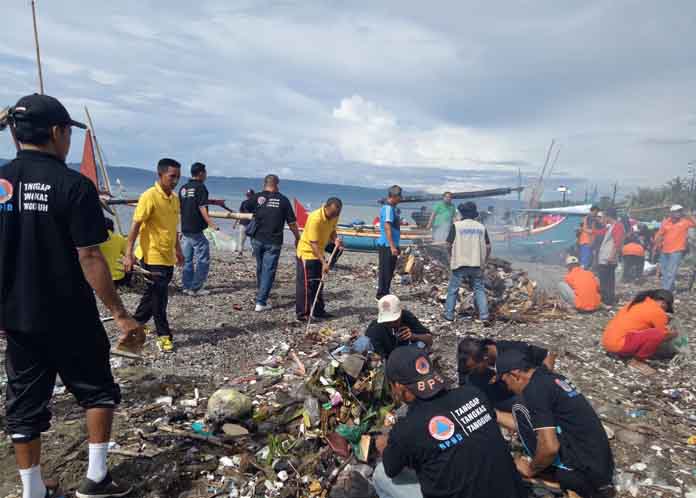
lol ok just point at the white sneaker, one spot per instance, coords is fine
(202, 292)
(189, 292)
(260, 307)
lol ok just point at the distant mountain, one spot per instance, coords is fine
(135, 180)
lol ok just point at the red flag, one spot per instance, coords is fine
(89, 163)
(300, 214)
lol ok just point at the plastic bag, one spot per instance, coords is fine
(222, 241)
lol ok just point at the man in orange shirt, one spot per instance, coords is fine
(672, 241)
(633, 258)
(588, 232)
(580, 288)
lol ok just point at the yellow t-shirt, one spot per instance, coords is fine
(113, 249)
(318, 229)
(159, 215)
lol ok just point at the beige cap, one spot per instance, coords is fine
(389, 309)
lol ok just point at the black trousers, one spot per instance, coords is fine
(79, 353)
(568, 478)
(154, 302)
(307, 286)
(633, 268)
(607, 283)
(385, 273)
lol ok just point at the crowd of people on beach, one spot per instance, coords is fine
(56, 249)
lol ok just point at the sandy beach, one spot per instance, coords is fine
(220, 340)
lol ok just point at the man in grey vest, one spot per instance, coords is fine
(471, 248)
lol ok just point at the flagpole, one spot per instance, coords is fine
(36, 42)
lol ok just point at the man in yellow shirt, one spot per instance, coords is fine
(319, 230)
(113, 249)
(155, 224)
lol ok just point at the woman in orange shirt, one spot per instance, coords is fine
(640, 327)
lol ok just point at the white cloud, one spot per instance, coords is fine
(322, 88)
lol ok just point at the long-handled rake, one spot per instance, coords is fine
(321, 286)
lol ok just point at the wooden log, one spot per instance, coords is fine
(231, 216)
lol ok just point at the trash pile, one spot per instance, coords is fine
(512, 295)
(302, 425)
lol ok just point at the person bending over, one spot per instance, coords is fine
(447, 445)
(395, 327)
(476, 365)
(559, 430)
(580, 288)
(640, 327)
(114, 249)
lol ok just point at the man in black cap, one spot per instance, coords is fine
(558, 428)
(51, 225)
(447, 445)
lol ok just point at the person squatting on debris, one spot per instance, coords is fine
(447, 445)
(633, 258)
(272, 210)
(672, 240)
(388, 241)
(394, 327)
(476, 366)
(608, 256)
(640, 328)
(588, 232)
(580, 287)
(241, 225)
(114, 249)
(442, 218)
(319, 230)
(51, 226)
(558, 427)
(155, 222)
(471, 247)
(193, 198)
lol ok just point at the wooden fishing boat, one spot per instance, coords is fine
(547, 243)
(364, 237)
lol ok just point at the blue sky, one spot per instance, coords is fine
(426, 94)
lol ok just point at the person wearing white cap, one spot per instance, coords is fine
(672, 240)
(395, 327)
(580, 287)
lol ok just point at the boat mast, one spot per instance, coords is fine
(36, 43)
(102, 166)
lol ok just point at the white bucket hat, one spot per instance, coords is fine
(389, 309)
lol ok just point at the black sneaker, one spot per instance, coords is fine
(105, 489)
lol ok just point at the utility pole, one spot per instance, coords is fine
(36, 43)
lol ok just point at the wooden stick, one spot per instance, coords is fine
(321, 286)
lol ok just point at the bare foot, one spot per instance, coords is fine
(642, 367)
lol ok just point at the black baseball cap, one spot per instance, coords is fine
(44, 111)
(410, 366)
(511, 360)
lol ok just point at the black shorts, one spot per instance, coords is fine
(32, 360)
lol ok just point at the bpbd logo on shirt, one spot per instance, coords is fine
(6, 191)
(441, 428)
